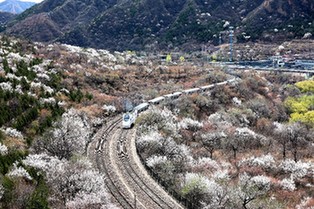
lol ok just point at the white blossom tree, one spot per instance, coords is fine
(203, 192)
(250, 188)
(73, 184)
(69, 136)
(212, 141)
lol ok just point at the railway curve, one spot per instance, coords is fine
(113, 151)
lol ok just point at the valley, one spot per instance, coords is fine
(225, 90)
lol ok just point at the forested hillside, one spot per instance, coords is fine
(151, 25)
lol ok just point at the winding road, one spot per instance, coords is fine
(113, 152)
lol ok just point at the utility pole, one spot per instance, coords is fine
(231, 34)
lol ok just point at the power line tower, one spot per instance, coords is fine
(231, 34)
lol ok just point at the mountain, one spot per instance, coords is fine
(5, 17)
(161, 24)
(285, 18)
(15, 6)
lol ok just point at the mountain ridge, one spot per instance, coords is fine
(160, 24)
(15, 6)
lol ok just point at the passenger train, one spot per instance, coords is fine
(130, 117)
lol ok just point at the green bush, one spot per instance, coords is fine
(39, 198)
(35, 61)
(306, 86)
(8, 186)
(6, 66)
(22, 70)
(6, 161)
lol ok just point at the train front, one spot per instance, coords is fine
(127, 121)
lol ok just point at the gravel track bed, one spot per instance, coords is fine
(138, 169)
(113, 152)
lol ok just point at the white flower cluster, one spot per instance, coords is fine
(210, 188)
(97, 121)
(109, 108)
(245, 132)
(16, 57)
(279, 128)
(7, 86)
(207, 163)
(155, 161)
(220, 119)
(76, 126)
(31, 94)
(39, 85)
(65, 91)
(195, 180)
(43, 76)
(213, 136)
(264, 161)
(93, 54)
(13, 76)
(13, 133)
(42, 161)
(77, 182)
(251, 187)
(50, 100)
(18, 89)
(288, 184)
(19, 172)
(297, 169)
(261, 182)
(221, 175)
(189, 123)
(152, 138)
(169, 118)
(3, 149)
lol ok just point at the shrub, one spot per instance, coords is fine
(306, 86)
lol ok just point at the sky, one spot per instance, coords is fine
(36, 1)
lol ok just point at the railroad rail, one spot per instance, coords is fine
(113, 152)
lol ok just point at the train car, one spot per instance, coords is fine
(191, 91)
(141, 107)
(221, 83)
(157, 100)
(174, 95)
(206, 88)
(128, 119)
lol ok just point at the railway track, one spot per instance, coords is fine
(113, 152)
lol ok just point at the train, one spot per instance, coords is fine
(129, 118)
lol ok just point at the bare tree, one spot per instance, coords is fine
(212, 141)
(296, 133)
(280, 136)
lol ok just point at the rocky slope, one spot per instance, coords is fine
(160, 24)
